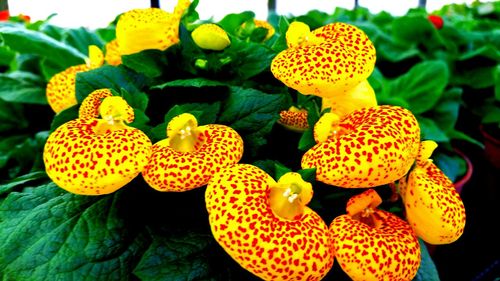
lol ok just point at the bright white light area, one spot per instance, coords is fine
(98, 13)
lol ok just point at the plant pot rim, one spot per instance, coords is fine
(459, 184)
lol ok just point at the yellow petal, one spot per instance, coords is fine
(61, 91)
(272, 248)
(89, 108)
(297, 33)
(96, 57)
(328, 126)
(336, 58)
(188, 159)
(426, 149)
(116, 109)
(379, 147)
(210, 36)
(294, 119)
(84, 161)
(150, 28)
(113, 56)
(289, 197)
(360, 96)
(433, 207)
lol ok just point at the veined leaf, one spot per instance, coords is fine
(22, 87)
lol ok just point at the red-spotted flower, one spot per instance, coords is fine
(266, 226)
(61, 91)
(369, 147)
(433, 207)
(95, 156)
(150, 28)
(372, 244)
(191, 154)
(294, 119)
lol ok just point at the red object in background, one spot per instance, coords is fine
(4, 15)
(25, 18)
(437, 21)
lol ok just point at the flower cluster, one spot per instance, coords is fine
(263, 224)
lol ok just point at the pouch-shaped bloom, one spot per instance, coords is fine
(294, 119)
(91, 156)
(369, 147)
(210, 36)
(191, 154)
(61, 91)
(372, 244)
(150, 28)
(325, 62)
(266, 226)
(433, 206)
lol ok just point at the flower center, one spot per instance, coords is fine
(115, 111)
(328, 126)
(363, 208)
(183, 133)
(289, 196)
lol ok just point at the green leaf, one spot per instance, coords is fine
(307, 141)
(11, 116)
(64, 116)
(416, 29)
(280, 43)
(308, 175)
(427, 270)
(148, 62)
(137, 100)
(445, 113)
(488, 51)
(32, 42)
(6, 56)
(268, 165)
(8, 186)
(422, 86)
(112, 77)
(280, 170)
(22, 87)
(431, 131)
(477, 78)
(250, 58)
(453, 166)
(198, 82)
(252, 113)
(231, 23)
(81, 38)
(47, 232)
(177, 257)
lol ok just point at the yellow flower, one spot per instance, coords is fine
(113, 56)
(265, 226)
(210, 36)
(191, 154)
(294, 119)
(372, 244)
(61, 91)
(150, 28)
(326, 62)
(360, 96)
(369, 147)
(433, 207)
(91, 156)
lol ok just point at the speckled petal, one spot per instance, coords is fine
(268, 246)
(389, 252)
(61, 91)
(150, 28)
(378, 147)
(113, 56)
(433, 207)
(335, 58)
(89, 108)
(83, 162)
(359, 97)
(294, 119)
(96, 57)
(171, 170)
(210, 36)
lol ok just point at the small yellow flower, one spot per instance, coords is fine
(210, 36)
(91, 156)
(372, 244)
(325, 62)
(150, 28)
(113, 56)
(266, 226)
(191, 154)
(360, 96)
(433, 207)
(369, 147)
(61, 90)
(294, 119)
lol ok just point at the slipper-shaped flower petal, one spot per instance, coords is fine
(150, 28)
(246, 208)
(92, 156)
(372, 244)
(294, 119)
(210, 36)
(369, 147)
(113, 56)
(325, 62)
(89, 109)
(360, 96)
(61, 90)
(191, 154)
(433, 206)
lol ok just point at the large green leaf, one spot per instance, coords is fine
(416, 29)
(431, 131)
(22, 87)
(193, 82)
(250, 58)
(477, 78)
(148, 62)
(427, 270)
(81, 38)
(421, 87)
(11, 116)
(31, 42)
